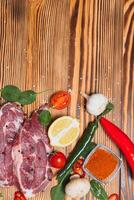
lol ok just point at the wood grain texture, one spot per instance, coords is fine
(98, 45)
(34, 47)
(128, 93)
(86, 46)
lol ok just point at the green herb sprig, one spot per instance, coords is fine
(12, 93)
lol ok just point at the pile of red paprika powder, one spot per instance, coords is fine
(101, 164)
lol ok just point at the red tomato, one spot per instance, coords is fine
(57, 160)
(113, 197)
(77, 168)
(60, 100)
(19, 196)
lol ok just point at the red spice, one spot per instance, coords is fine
(101, 164)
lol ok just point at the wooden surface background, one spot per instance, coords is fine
(82, 45)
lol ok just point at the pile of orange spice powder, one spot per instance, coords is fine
(101, 164)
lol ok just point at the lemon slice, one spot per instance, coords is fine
(63, 131)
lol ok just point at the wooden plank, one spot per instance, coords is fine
(96, 57)
(127, 184)
(34, 42)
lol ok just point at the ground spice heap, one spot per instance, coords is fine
(101, 164)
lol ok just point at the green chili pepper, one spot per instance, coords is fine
(98, 190)
(80, 147)
(88, 149)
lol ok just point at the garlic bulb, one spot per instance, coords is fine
(96, 104)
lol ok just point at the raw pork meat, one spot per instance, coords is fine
(30, 156)
(11, 118)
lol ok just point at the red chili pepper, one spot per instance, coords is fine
(60, 100)
(113, 197)
(121, 139)
(19, 196)
(77, 168)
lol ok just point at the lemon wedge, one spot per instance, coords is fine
(64, 131)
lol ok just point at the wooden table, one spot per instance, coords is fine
(82, 45)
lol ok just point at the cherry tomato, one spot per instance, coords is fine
(60, 100)
(77, 168)
(57, 160)
(113, 197)
(19, 196)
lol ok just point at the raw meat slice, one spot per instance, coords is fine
(11, 118)
(30, 156)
